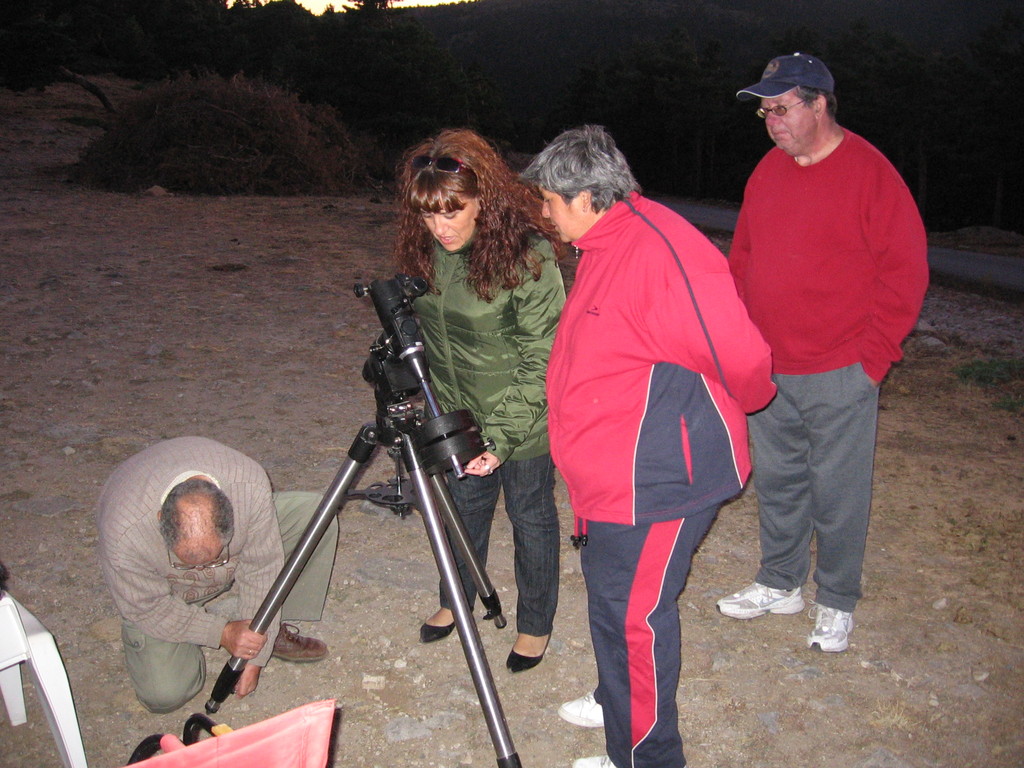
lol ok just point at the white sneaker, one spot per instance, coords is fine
(601, 761)
(584, 711)
(832, 629)
(757, 600)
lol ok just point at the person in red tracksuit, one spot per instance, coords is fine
(654, 366)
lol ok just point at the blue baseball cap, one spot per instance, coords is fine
(784, 73)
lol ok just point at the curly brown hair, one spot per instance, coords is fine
(510, 212)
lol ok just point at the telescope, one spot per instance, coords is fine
(425, 443)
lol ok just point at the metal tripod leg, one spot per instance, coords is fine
(359, 454)
(468, 634)
(460, 538)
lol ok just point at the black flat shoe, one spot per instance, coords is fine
(430, 634)
(516, 662)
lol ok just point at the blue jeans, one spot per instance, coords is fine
(529, 487)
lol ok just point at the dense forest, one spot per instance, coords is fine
(925, 80)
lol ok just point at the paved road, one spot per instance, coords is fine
(982, 268)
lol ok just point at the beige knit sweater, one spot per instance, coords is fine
(161, 601)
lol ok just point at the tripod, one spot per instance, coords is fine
(397, 368)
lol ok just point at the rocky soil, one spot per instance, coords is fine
(126, 319)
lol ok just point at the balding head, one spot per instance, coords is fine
(196, 521)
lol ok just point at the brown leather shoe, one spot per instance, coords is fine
(291, 646)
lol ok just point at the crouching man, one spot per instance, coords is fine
(183, 522)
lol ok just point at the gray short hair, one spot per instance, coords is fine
(583, 159)
(808, 95)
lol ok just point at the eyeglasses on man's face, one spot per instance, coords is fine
(778, 110)
(217, 562)
(443, 164)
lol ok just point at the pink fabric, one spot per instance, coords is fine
(300, 738)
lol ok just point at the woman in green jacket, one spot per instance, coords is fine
(475, 233)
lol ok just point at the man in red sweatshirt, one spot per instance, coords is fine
(830, 258)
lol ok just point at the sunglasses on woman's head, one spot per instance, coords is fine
(443, 164)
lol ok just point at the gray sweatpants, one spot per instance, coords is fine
(814, 449)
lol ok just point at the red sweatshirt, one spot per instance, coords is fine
(642, 428)
(831, 259)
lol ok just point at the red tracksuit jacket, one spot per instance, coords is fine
(643, 427)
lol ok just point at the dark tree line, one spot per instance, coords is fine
(385, 75)
(942, 117)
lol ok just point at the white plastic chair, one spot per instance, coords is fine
(24, 639)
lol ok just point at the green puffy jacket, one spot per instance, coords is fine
(492, 358)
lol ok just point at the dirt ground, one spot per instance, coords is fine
(127, 319)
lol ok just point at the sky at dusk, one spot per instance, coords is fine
(317, 6)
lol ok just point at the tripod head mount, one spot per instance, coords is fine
(397, 367)
(393, 301)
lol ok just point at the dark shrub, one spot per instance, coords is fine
(211, 135)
